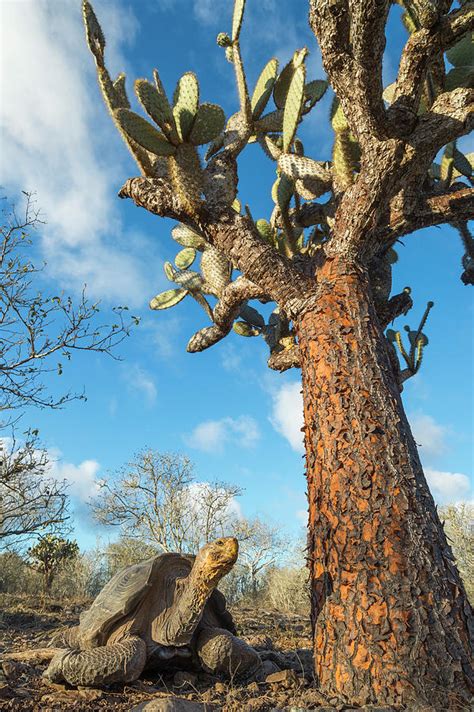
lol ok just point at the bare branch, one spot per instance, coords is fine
(453, 207)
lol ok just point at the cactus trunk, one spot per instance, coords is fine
(389, 609)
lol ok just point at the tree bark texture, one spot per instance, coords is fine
(391, 618)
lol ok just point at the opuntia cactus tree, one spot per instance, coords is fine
(391, 619)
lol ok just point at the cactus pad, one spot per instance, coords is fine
(243, 329)
(238, 16)
(216, 270)
(263, 88)
(208, 124)
(157, 107)
(140, 131)
(167, 299)
(185, 104)
(185, 258)
(293, 106)
(186, 176)
(94, 35)
(187, 237)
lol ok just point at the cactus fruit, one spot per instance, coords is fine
(185, 258)
(143, 133)
(187, 237)
(168, 299)
(293, 106)
(186, 176)
(208, 124)
(185, 104)
(157, 107)
(263, 88)
(265, 231)
(216, 270)
(223, 40)
(238, 16)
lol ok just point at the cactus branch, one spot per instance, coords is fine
(225, 312)
(419, 50)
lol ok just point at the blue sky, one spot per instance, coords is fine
(237, 421)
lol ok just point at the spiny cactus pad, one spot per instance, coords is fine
(143, 133)
(185, 104)
(94, 35)
(293, 106)
(238, 16)
(157, 106)
(187, 237)
(208, 124)
(263, 88)
(167, 299)
(185, 258)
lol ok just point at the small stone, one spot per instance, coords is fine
(184, 679)
(268, 667)
(172, 704)
(286, 678)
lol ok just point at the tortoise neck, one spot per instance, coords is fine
(184, 615)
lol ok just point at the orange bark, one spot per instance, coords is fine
(390, 611)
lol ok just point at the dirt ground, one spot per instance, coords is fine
(286, 683)
(24, 626)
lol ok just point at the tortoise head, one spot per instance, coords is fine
(216, 559)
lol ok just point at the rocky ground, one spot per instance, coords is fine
(285, 683)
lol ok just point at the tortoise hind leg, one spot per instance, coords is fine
(223, 653)
(120, 662)
(65, 638)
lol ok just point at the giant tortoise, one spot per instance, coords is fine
(163, 613)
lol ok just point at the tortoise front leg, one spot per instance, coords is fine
(119, 662)
(220, 652)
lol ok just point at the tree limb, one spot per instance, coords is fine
(455, 206)
(283, 360)
(352, 40)
(420, 49)
(451, 116)
(225, 311)
(237, 237)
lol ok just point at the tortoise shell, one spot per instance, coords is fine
(124, 592)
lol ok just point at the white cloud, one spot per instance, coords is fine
(140, 380)
(287, 414)
(58, 141)
(448, 486)
(428, 434)
(82, 478)
(212, 435)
